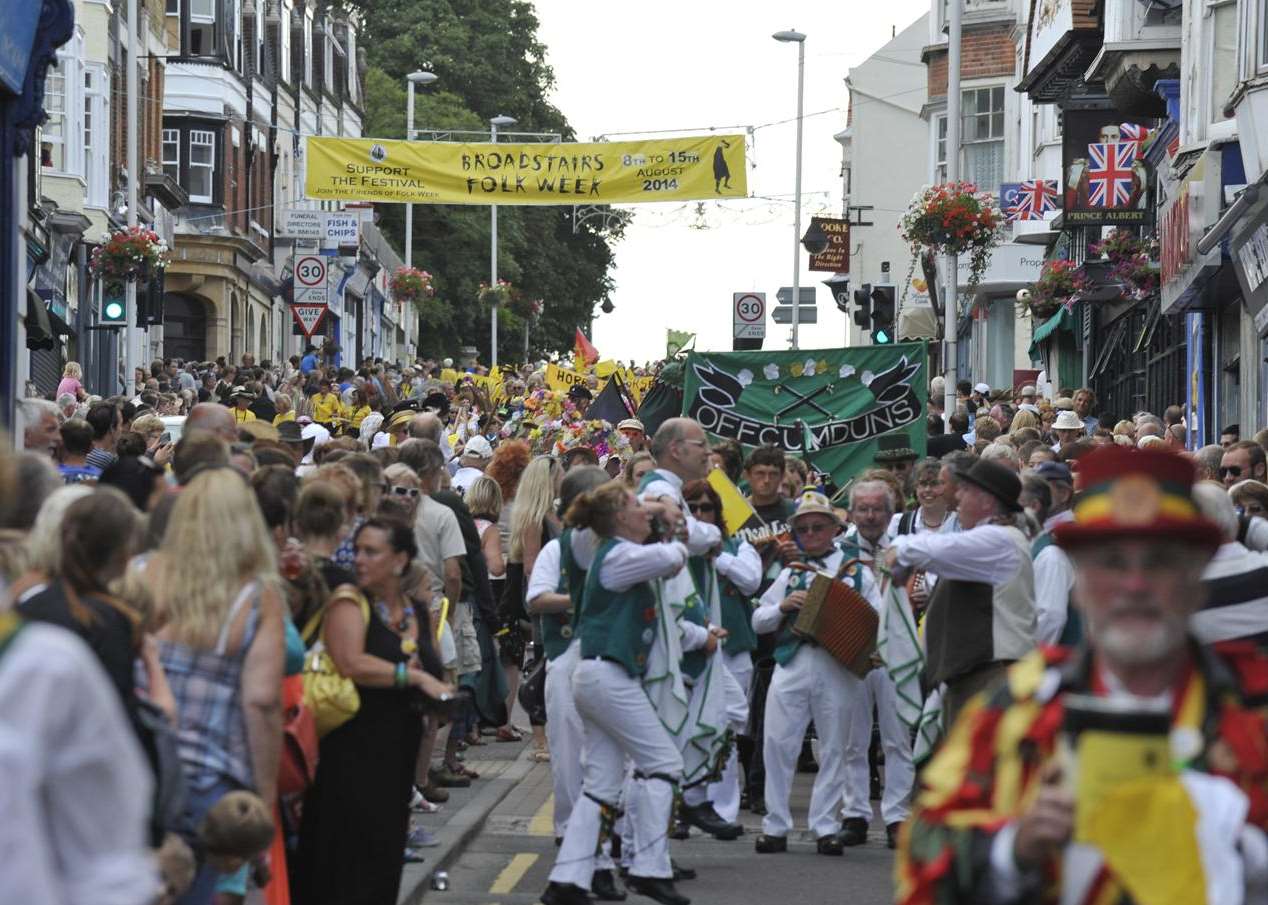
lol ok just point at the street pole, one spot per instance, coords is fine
(418, 77)
(950, 296)
(800, 40)
(129, 330)
(493, 245)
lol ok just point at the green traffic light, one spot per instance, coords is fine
(880, 338)
(114, 312)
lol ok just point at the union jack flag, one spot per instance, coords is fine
(1033, 199)
(1109, 175)
(1133, 131)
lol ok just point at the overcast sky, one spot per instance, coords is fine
(697, 66)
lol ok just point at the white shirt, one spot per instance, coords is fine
(743, 568)
(629, 563)
(77, 789)
(701, 536)
(1243, 611)
(950, 523)
(984, 553)
(1054, 580)
(464, 477)
(767, 616)
(548, 567)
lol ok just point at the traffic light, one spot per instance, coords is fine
(884, 301)
(863, 301)
(114, 307)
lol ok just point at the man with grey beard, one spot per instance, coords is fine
(1046, 750)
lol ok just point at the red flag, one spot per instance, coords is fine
(584, 352)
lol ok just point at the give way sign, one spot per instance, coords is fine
(749, 309)
(308, 316)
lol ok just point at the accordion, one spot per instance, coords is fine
(840, 620)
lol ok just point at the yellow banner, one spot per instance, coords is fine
(441, 172)
(562, 379)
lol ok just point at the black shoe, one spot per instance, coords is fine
(770, 845)
(757, 805)
(682, 830)
(680, 872)
(603, 887)
(413, 855)
(704, 816)
(744, 801)
(829, 845)
(891, 833)
(853, 831)
(564, 894)
(656, 888)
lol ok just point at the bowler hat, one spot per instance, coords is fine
(1000, 482)
(894, 448)
(1131, 493)
(293, 433)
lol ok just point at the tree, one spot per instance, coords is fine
(489, 62)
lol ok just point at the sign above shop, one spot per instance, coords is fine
(836, 257)
(1190, 207)
(1105, 177)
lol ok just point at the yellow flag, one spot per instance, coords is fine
(736, 510)
(605, 368)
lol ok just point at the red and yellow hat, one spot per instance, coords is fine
(1131, 493)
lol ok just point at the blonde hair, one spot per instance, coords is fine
(1023, 419)
(399, 471)
(148, 424)
(73, 369)
(484, 498)
(44, 543)
(216, 542)
(534, 500)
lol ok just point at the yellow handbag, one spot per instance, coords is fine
(330, 696)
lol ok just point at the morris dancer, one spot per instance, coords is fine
(616, 625)
(808, 684)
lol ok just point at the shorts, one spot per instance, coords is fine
(467, 641)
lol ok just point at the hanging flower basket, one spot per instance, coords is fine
(953, 218)
(1060, 283)
(129, 254)
(411, 285)
(499, 293)
(1132, 261)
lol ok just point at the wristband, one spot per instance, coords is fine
(402, 679)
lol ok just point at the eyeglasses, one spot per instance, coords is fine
(701, 507)
(411, 492)
(814, 528)
(1234, 470)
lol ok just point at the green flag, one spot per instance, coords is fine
(676, 341)
(829, 406)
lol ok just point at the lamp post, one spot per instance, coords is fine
(494, 123)
(418, 77)
(951, 296)
(799, 39)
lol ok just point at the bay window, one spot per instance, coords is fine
(202, 165)
(982, 116)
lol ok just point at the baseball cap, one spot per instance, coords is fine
(478, 448)
(1055, 471)
(983, 388)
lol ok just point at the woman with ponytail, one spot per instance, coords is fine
(617, 624)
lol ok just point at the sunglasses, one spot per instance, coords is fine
(410, 492)
(815, 528)
(1234, 470)
(701, 507)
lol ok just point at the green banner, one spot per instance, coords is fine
(829, 406)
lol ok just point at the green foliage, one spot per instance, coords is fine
(489, 62)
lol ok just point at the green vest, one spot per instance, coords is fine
(697, 611)
(558, 628)
(737, 611)
(618, 626)
(786, 643)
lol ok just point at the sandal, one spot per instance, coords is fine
(541, 756)
(463, 770)
(509, 734)
(473, 738)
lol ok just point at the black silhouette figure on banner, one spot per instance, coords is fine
(721, 172)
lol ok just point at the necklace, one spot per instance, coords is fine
(926, 523)
(403, 627)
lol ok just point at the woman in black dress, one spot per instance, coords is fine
(356, 815)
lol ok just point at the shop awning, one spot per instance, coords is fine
(1062, 320)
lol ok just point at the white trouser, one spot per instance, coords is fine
(564, 733)
(812, 686)
(877, 689)
(619, 720)
(725, 793)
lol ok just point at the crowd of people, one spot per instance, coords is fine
(316, 592)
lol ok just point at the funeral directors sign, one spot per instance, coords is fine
(619, 172)
(830, 406)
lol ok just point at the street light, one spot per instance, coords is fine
(799, 39)
(417, 77)
(495, 122)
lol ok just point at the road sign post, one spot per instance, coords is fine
(806, 295)
(749, 315)
(784, 315)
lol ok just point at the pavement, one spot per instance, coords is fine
(497, 847)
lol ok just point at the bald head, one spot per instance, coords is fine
(680, 446)
(213, 418)
(426, 427)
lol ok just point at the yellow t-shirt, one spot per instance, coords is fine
(326, 408)
(242, 416)
(358, 416)
(289, 416)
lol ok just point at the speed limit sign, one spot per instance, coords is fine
(310, 280)
(749, 310)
